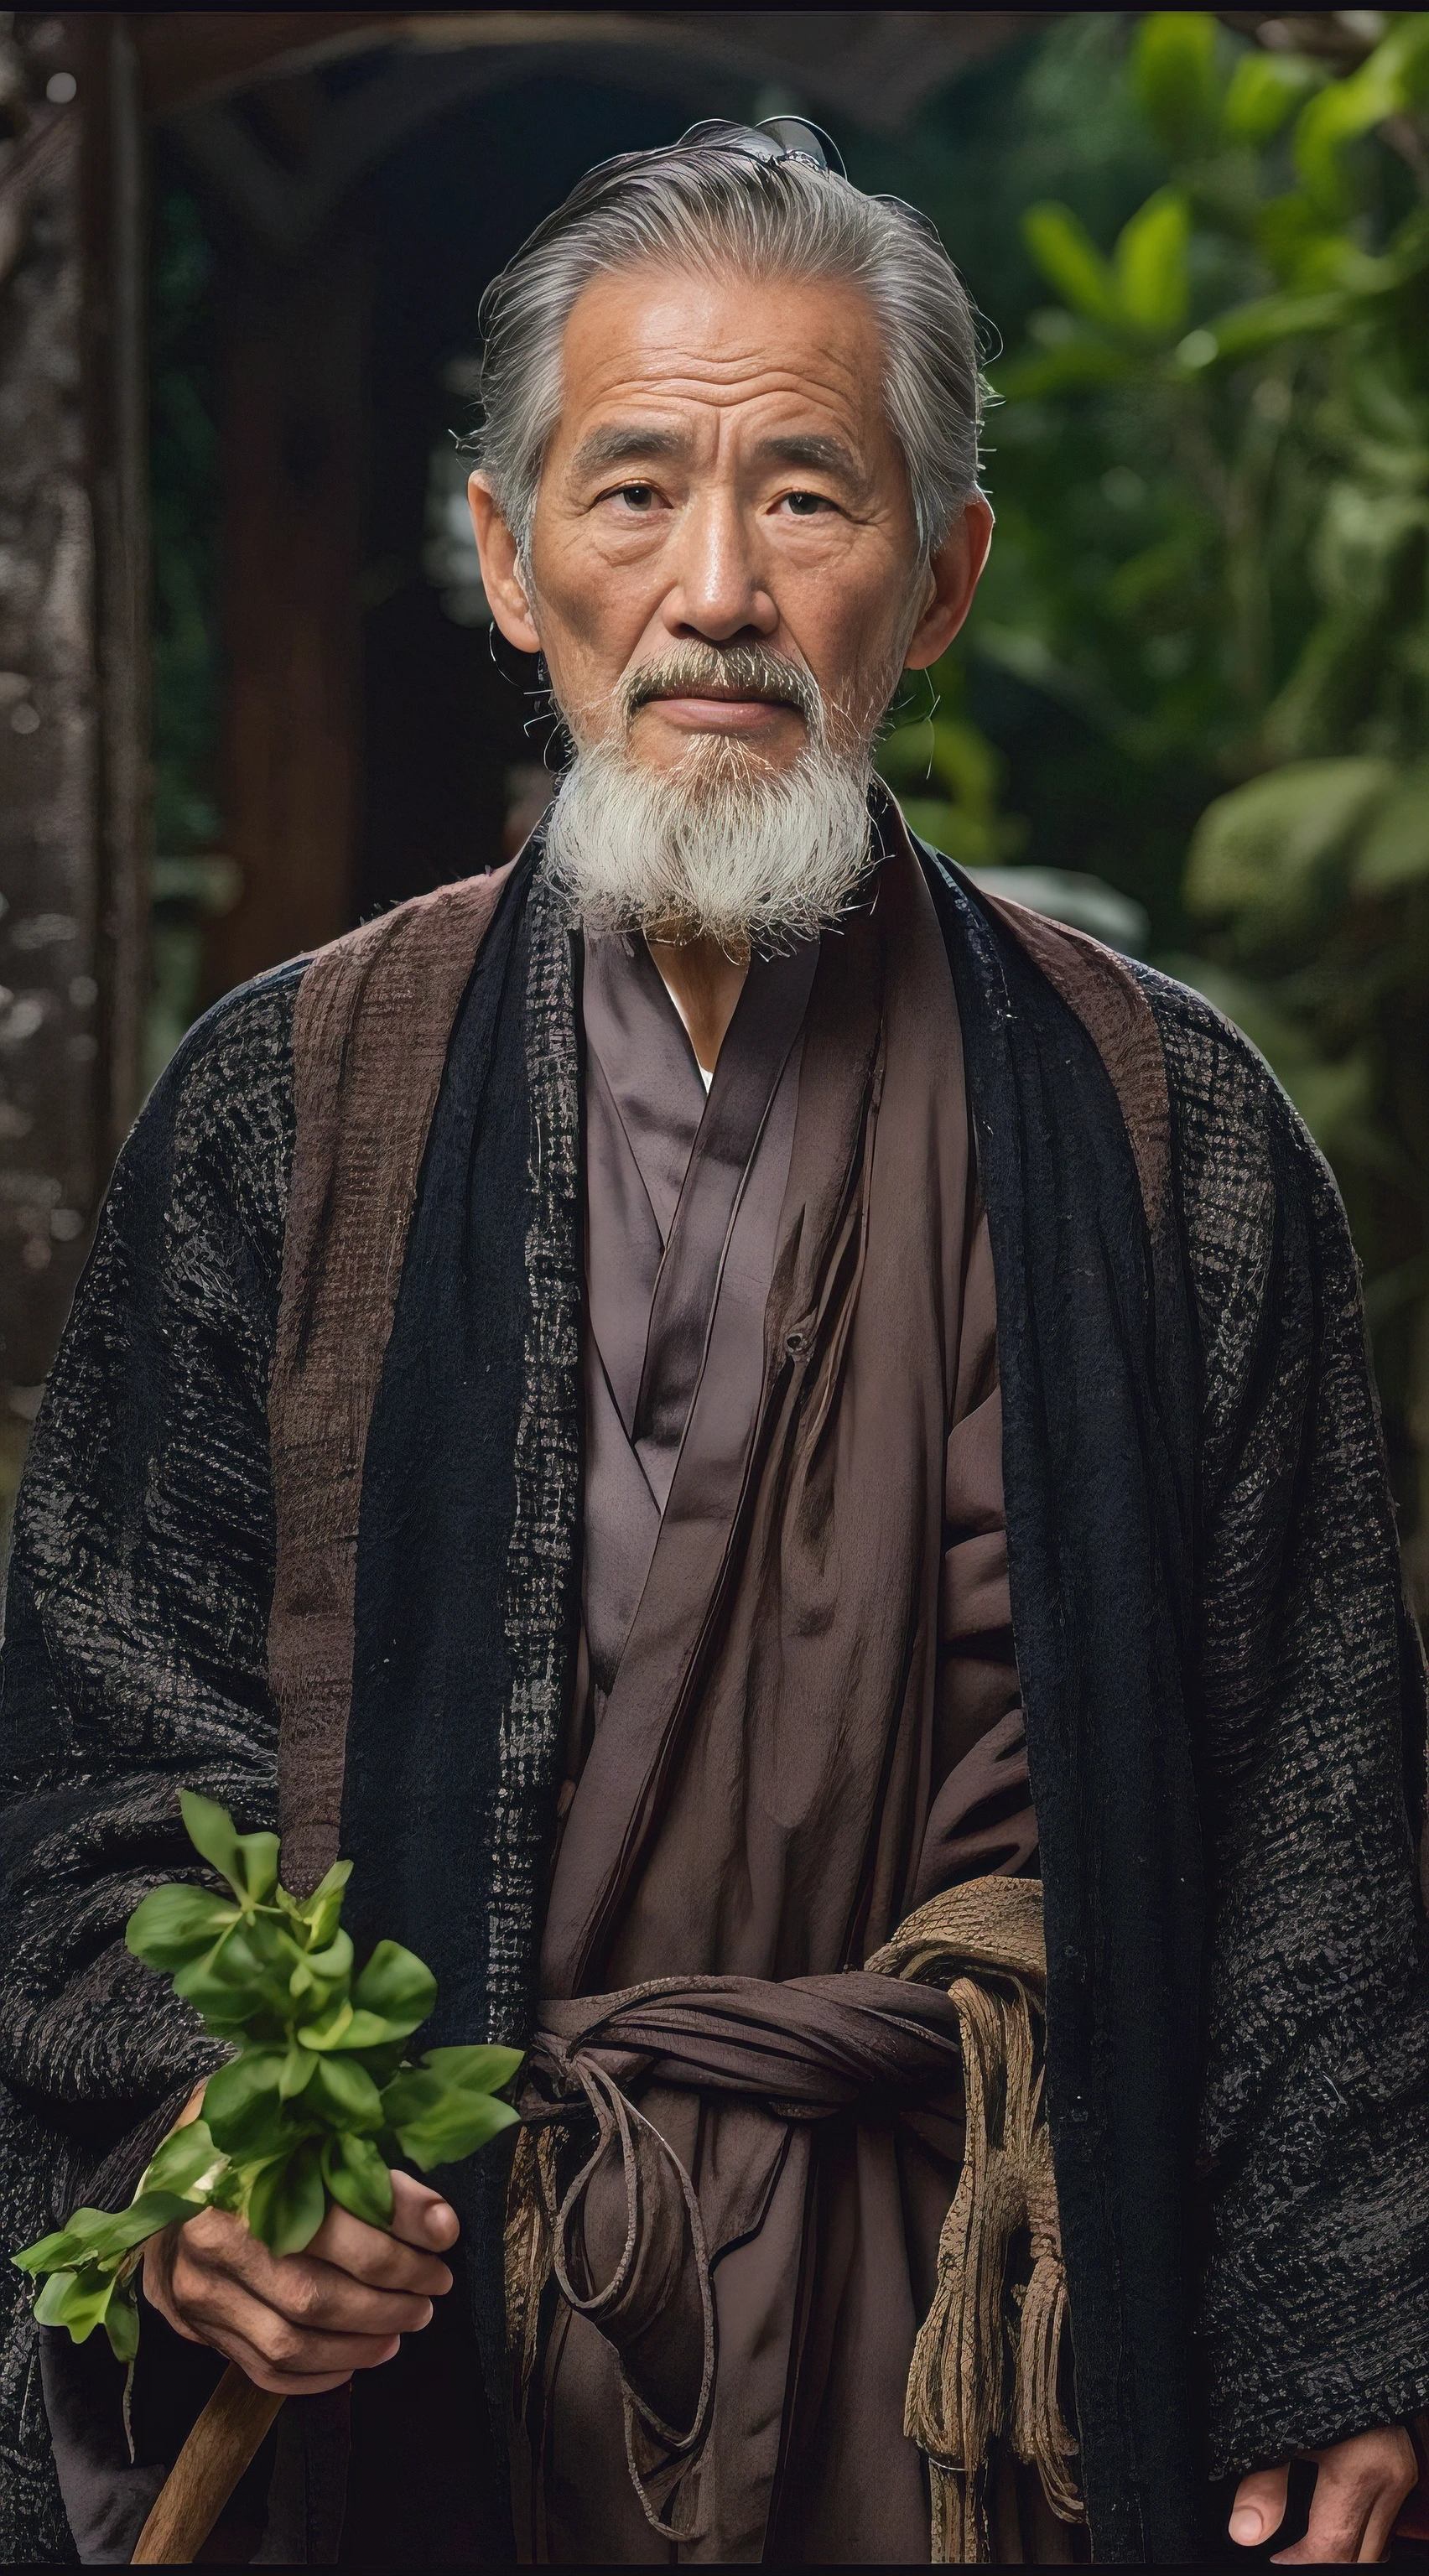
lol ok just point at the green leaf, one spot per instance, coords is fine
(1069, 259)
(397, 1987)
(121, 2320)
(83, 2238)
(245, 1977)
(1174, 77)
(298, 2069)
(1394, 853)
(95, 2238)
(46, 2254)
(445, 2108)
(249, 1862)
(319, 1912)
(175, 1925)
(1251, 328)
(81, 2301)
(1390, 82)
(333, 1964)
(243, 2102)
(453, 2128)
(945, 752)
(331, 2029)
(185, 2156)
(1264, 90)
(145, 2217)
(287, 2202)
(1307, 253)
(210, 1829)
(356, 2174)
(476, 2069)
(345, 2093)
(415, 2090)
(1268, 851)
(1150, 260)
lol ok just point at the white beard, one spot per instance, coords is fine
(720, 845)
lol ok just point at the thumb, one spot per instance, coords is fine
(420, 2216)
(1259, 2507)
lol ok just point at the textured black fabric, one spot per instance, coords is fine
(431, 1671)
(1095, 1362)
(135, 1654)
(1308, 1698)
(1233, 1403)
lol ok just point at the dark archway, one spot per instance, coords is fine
(363, 175)
(355, 176)
(449, 739)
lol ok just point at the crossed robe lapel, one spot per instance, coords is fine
(766, 1023)
(668, 1171)
(617, 1801)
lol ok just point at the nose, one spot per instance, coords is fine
(718, 596)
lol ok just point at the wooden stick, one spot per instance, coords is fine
(223, 2442)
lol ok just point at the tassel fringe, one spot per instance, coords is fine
(982, 2372)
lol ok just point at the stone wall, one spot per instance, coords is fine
(71, 730)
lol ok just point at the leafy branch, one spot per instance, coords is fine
(318, 2100)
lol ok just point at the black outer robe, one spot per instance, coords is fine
(1224, 1705)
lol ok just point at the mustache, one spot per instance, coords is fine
(731, 670)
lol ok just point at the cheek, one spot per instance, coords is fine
(598, 601)
(848, 610)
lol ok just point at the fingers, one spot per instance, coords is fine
(388, 2262)
(215, 2255)
(1359, 2488)
(1259, 2507)
(303, 2322)
(286, 2353)
(280, 2357)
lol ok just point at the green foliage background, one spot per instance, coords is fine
(1198, 667)
(1199, 664)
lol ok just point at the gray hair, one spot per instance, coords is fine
(711, 203)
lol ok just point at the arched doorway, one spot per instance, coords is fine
(360, 186)
(331, 735)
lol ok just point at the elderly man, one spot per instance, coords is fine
(744, 1429)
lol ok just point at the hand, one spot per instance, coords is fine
(300, 2323)
(1358, 2492)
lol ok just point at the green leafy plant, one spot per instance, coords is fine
(315, 2104)
(1202, 647)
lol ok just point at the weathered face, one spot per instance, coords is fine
(723, 474)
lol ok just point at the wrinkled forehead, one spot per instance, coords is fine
(659, 362)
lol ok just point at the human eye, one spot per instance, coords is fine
(636, 498)
(806, 505)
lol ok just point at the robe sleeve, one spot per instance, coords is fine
(137, 1606)
(1314, 2147)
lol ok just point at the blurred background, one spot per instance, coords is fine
(246, 691)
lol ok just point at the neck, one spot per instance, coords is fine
(705, 985)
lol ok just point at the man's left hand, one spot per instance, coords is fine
(1359, 2489)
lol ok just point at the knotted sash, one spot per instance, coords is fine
(958, 1992)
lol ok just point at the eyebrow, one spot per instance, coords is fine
(823, 455)
(622, 443)
(641, 443)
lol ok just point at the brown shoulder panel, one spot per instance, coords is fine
(370, 1035)
(1114, 1011)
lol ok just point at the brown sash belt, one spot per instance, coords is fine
(952, 2005)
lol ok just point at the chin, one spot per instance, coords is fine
(721, 759)
(733, 843)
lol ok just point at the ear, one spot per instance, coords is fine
(953, 575)
(500, 577)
